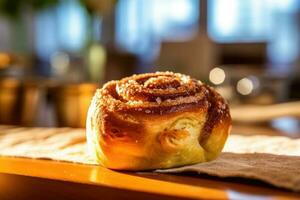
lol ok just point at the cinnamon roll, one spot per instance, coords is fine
(156, 120)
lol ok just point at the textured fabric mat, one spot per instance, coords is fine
(272, 159)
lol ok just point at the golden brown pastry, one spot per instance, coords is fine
(156, 120)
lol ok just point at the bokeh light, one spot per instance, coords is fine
(4, 60)
(217, 76)
(245, 86)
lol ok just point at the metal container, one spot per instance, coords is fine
(33, 95)
(71, 103)
(9, 101)
(20, 101)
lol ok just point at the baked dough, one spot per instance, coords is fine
(156, 120)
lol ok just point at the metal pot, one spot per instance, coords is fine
(71, 103)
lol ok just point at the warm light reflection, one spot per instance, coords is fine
(245, 86)
(217, 76)
(4, 60)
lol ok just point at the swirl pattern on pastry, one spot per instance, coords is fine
(147, 121)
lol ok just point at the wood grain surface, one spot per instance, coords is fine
(41, 179)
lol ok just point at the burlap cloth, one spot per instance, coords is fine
(272, 159)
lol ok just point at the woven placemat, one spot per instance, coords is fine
(62, 144)
(272, 159)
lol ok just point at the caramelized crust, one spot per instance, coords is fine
(156, 120)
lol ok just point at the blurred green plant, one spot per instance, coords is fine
(13, 8)
(98, 7)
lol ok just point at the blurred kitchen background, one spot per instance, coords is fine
(55, 53)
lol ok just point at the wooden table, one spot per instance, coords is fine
(22, 178)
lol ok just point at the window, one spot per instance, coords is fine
(142, 24)
(272, 21)
(61, 28)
